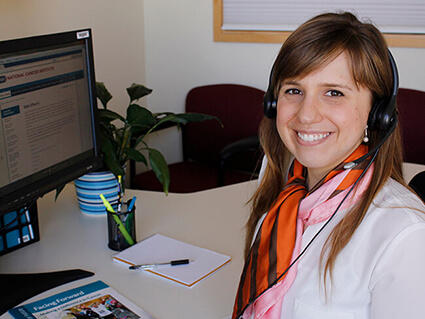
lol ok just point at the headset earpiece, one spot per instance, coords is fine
(383, 115)
(372, 121)
(270, 101)
(270, 105)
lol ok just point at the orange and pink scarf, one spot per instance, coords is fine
(264, 281)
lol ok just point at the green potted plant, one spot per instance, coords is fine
(122, 138)
(120, 143)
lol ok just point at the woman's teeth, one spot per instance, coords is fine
(312, 137)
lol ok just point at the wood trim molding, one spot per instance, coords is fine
(220, 35)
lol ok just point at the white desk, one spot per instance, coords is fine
(411, 169)
(212, 219)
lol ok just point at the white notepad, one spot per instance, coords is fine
(160, 249)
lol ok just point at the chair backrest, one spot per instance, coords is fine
(411, 106)
(239, 107)
(418, 184)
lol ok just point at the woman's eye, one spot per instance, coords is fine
(292, 91)
(334, 93)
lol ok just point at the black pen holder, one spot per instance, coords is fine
(116, 239)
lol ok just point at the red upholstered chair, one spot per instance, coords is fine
(215, 155)
(417, 183)
(411, 105)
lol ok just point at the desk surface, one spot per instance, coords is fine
(213, 219)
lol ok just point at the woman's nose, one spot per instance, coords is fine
(309, 110)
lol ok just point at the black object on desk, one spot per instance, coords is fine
(18, 228)
(16, 288)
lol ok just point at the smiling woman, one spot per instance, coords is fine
(334, 232)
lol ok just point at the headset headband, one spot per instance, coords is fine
(383, 115)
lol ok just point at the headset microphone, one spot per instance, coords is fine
(373, 150)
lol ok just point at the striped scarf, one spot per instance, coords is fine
(273, 247)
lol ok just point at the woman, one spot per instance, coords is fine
(343, 236)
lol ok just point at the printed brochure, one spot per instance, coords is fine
(96, 300)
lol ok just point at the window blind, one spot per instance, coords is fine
(390, 16)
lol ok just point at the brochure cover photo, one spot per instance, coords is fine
(93, 301)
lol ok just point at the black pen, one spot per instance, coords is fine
(171, 263)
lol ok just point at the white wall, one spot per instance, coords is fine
(117, 28)
(167, 45)
(180, 53)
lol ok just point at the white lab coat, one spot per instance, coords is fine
(380, 274)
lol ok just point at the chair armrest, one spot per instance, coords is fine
(242, 145)
(251, 143)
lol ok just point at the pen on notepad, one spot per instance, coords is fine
(171, 263)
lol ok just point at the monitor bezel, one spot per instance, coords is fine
(28, 191)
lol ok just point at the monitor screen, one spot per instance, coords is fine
(47, 114)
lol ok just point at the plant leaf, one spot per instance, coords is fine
(141, 137)
(136, 155)
(109, 116)
(103, 94)
(107, 131)
(184, 118)
(139, 115)
(113, 166)
(110, 157)
(158, 115)
(59, 190)
(137, 91)
(160, 168)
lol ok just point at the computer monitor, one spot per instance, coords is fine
(47, 115)
(47, 139)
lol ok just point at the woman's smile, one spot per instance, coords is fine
(306, 138)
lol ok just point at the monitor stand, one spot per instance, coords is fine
(16, 288)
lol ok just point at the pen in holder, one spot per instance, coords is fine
(117, 239)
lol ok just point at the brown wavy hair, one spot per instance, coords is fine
(313, 44)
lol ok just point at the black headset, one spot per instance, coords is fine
(382, 117)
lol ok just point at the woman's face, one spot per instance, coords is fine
(321, 117)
